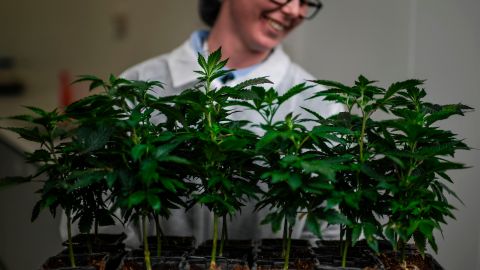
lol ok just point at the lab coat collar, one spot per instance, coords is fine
(182, 63)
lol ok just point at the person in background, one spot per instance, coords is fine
(249, 33)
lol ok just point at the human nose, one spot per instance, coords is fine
(294, 9)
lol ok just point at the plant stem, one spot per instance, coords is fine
(345, 252)
(401, 247)
(159, 234)
(289, 244)
(146, 251)
(285, 236)
(89, 243)
(224, 235)
(213, 265)
(69, 235)
(96, 228)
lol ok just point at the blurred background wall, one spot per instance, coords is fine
(385, 40)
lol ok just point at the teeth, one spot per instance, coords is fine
(276, 25)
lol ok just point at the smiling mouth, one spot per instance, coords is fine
(276, 25)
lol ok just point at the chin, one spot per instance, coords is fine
(266, 44)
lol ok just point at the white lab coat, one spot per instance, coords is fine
(176, 71)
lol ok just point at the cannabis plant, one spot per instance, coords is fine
(220, 149)
(417, 179)
(358, 194)
(137, 160)
(396, 164)
(297, 176)
(89, 140)
(56, 160)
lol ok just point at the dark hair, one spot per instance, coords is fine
(208, 10)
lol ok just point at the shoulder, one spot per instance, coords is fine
(298, 74)
(151, 69)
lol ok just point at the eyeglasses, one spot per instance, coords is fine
(309, 8)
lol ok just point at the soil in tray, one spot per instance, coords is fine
(203, 263)
(114, 257)
(270, 258)
(99, 261)
(358, 258)
(191, 263)
(294, 264)
(414, 262)
(162, 263)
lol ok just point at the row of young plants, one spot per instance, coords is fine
(128, 149)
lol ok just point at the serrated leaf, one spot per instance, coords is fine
(297, 89)
(252, 82)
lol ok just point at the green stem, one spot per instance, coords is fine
(146, 251)
(158, 233)
(342, 241)
(224, 235)
(213, 265)
(285, 238)
(289, 244)
(362, 136)
(401, 245)
(69, 235)
(345, 252)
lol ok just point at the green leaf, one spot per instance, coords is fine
(420, 242)
(111, 179)
(395, 87)
(297, 89)
(201, 61)
(29, 134)
(148, 171)
(154, 201)
(295, 181)
(136, 198)
(164, 150)
(275, 219)
(138, 151)
(276, 176)
(356, 232)
(390, 235)
(313, 226)
(13, 180)
(174, 159)
(37, 110)
(168, 183)
(252, 82)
